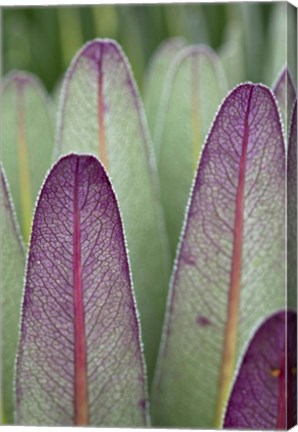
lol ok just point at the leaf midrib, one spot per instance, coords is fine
(24, 174)
(231, 328)
(80, 384)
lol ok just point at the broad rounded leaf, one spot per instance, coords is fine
(156, 79)
(285, 93)
(195, 87)
(28, 140)
(264, 395)
(230, 269)
(101, 113)
(80, 360)
(12, 274)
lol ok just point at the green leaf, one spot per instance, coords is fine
(285, 92)
(70, 32)
(232, 54)
(156, 78)
(28, 139)
(102, 114)
(230, 269)
(282, 41)
(246, 16)
(250, 18)
(188, 20)
(12, 273)
(56, 93)
(195, 87)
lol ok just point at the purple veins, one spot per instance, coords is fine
(79, 357)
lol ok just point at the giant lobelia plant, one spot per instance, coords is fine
(98, 255)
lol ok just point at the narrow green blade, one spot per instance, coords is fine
(156, 80)
(285, 92)
(195, 87)
(28, 140)
(282, 41)
(12, 274)
(232, 54)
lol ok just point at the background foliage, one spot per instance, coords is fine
(43, 40)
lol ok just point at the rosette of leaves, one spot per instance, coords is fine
(80, 358)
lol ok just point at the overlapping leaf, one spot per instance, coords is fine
(282, 41)
(232, 54)
(292, 212)
(195, 87)
(102, 114)
(79, 359)
(28, 139)
(250, 17)
(12, 273)
(230, 270)
(190, 21)
(56, 93)
(156, 80)
(285, 93)
(264, 395)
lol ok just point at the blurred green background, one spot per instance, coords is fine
(43, 40)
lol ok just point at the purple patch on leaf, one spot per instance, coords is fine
(143, 404)
(79, 356)
(203, 321)
(94, 51)
(265, 391)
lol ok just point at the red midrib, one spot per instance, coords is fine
(231, 329)
(281, 417)
(81, 390)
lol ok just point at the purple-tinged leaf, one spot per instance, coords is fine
(292, 212)
(101, 113)
(230, 269)
(80, 360)
(28, 140)
(285, 93)
(12, 274)
(265, 390)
